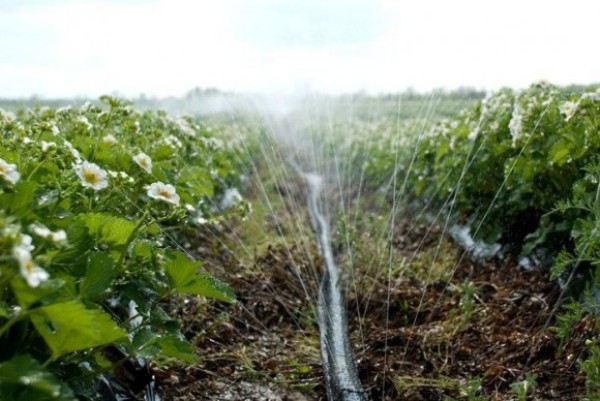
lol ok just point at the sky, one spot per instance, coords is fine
(64, 48)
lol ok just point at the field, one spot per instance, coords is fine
(143, 252)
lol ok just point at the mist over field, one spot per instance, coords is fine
(299, 200)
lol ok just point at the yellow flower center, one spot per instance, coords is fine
(91, 176)
(28, 265)
(164, 193)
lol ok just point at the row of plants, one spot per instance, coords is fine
(97, 205)
(521, 169)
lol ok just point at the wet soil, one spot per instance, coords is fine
(438, 338)
(416, 339)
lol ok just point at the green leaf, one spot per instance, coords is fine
(69, 327)
(207, 285)
(23, 198)
(176, 347)
(143, 249)
(23, 378)
(184, 278)
(162, 152)
(28, 296)
(198, 179)
(99, 275)
(144, 343)
(180, 269)
(559, 153)
(111, 230)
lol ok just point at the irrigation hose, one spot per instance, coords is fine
(339, 367)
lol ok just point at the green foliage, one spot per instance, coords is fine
(521, 168)
(502, 166)
(94, 201)
(184, 279)
(69, 326)
(467, 305)
(526, 387)
(565, 321)
(591, 368)
(108, 229)
(469, 391)
(23, 378)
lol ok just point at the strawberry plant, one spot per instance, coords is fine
(95, 206)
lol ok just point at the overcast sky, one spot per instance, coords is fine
(58, 48)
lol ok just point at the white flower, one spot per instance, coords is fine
(25, 242)
(593, 96)
(47, 145)
(568, 109)
(85, 121)
(64, 109)
(32, 273)
(9, 172)
(212, 142)
(45, 232)
(11, 230)
(40, 230)
(163, 192)
(134, 315)
(201, 220)
(74, 152)
(55, 130)
(58, 236)
(516, 124)
(189, 207)
(91, 175)
(173, 141)
(474, 133)
(9, 117)
(144, 161)
(86, 106)
(231, 198)
(27, 140)
(110, 139)
(185, 128)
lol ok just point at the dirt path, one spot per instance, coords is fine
(485, 322)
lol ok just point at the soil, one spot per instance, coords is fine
(416, 339)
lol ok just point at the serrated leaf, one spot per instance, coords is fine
(23, 197)
(23, 378)
(198, 180)
(143, 342)
(27, 296)
(111, 230)
(176, 347)
(184, 278)
(208, 286)
(69, 326)
(559, 153)
(148, 345)
(143, 249)
(99, 274)
(180, 269)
